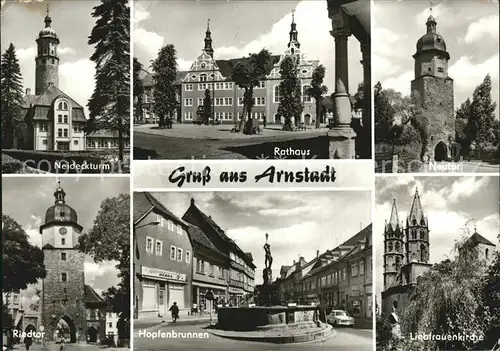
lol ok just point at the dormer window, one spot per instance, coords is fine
(438, 39)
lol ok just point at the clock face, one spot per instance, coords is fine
(63, 231)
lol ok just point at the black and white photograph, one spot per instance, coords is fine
(436, 86)
(253, 270)
(66, 263)
(437, 263)
(252, 79)
(66, 73)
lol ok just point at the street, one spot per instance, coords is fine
(343, 339)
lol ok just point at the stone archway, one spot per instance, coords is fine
(307, 119)
(441, 152)
(67, 329)
(30, 328)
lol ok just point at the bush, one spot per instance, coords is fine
(384, 331)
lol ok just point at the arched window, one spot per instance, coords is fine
(63, 106)
(398, 263)
(423, 253)
(422, 235)
(305, 96)
(276, 94)
(413, 234)
(397, 247)
(390, 246)
(414, 221)
(422, 222)
(203, 77)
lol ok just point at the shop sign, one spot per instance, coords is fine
(235, 291)
(162, 274)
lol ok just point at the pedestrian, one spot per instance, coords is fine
(63, 343)
(28, 341)
(174, 309)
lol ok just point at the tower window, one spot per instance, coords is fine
(429, 69)
(438, 39)
(63, 256)
(440, 69)
(486, 253)
(63, 241)
(64, 277)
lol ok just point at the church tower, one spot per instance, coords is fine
(393, 248)
(47, 59)
(432, 91)
(417, 233)
(294, 34)
(63, 297)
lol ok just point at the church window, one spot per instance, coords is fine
(423, 253)
(63, 256)
(397, 247)
(172, 252)
(149, 244)
(398, 263)
(277, 94)
(414, 221)
(413, 234)
(159, 248)
(64, 277)
(440, 69)
(422, 235)
(179, 254)
(390, 247)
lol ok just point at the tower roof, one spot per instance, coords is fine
(47, 31)
(208, 40)
(432, 41)
(394, 220)
(416, 212)
(60, 212)
(293, 32)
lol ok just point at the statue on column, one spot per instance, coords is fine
(267, 274)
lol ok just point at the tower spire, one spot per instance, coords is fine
(59, 194)
(293, 32)
(48, 20)
(208, 40)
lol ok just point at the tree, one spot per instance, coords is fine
(290, 105)
(247, 74)
(7, 320)
(383, 114)
(109, 105)
(109, 240)
(22, 263)
(207, 107)
(12, 98)
(138, 89)
(317, 90)
(164, 90)
(447, 300)
(491, 296)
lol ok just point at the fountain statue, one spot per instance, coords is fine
(267, 273)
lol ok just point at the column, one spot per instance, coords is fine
(341, 55)
(366, 148)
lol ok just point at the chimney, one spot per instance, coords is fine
(317, 253)
(28, 91)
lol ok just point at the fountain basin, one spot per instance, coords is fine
(264, 317)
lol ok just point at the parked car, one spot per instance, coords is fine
(339, 318)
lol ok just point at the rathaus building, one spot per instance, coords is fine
(207, 72)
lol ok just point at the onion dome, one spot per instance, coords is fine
(60, 211)
(431, 41)
(47, 31)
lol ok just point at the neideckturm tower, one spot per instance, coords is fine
(63, 289)
(393, 248)
(47, 58)
(208, 41)
(432, 91)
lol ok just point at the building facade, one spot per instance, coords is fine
(163, 259)
(432, 91)
(207, 72)
(241, 269)
(54, 120)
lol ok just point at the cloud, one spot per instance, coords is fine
(66, 51)
(400, 83)
(26, 54)
(482, 28)
(77, 80)
(439, 11)
(140, 13)
(149, 42)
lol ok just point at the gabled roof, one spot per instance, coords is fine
(226, 66)
(145, 202)
(416, 212)
(477, 238)
(198, 237)
(284, 269)
(91, 296)
(50, 94)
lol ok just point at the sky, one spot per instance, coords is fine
(239, 28)
(26, 199)
(448, 202)
(469, 28)
(298, 224)
(73, 23)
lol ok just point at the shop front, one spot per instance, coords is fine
(357, 301)
(235, 296)
(160, 289)
(199, 292)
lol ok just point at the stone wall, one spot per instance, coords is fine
(47, 71)
(435, 96)
(54, 291)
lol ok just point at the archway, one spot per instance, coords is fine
(30, 328)
(441, 152)
(66, 329)
(92, 334)
(307, 119)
